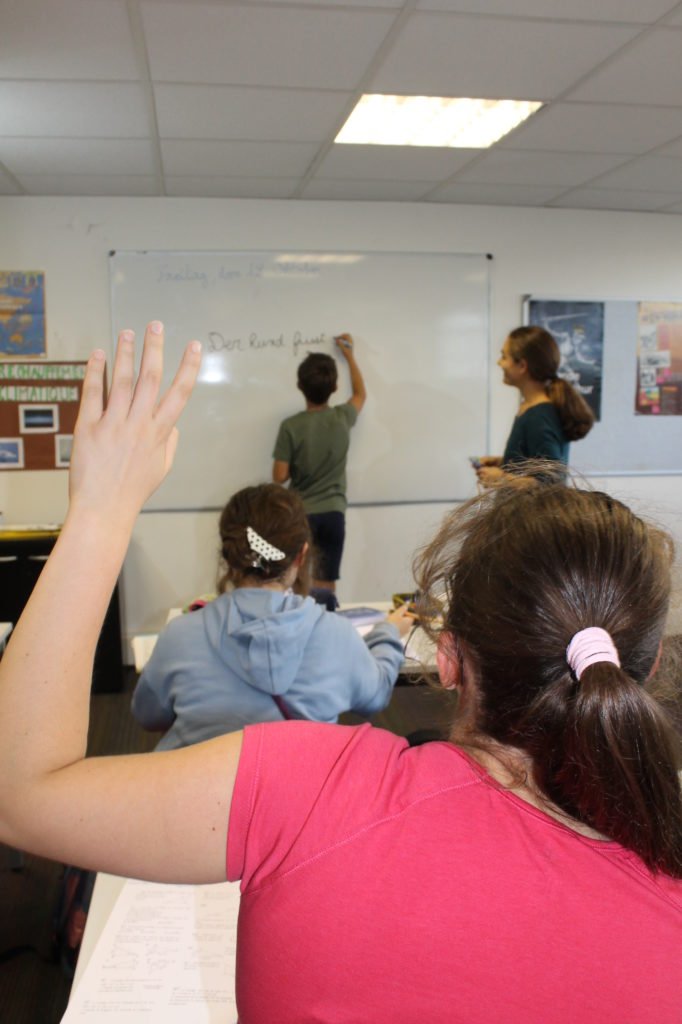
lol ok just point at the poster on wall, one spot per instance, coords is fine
(579, 331)
(22, 313)
(659, 359)
(38, 409)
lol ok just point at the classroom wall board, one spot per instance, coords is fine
(624, 441)
(421, 326)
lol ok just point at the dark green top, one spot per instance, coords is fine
(537, 434)
(315, 444)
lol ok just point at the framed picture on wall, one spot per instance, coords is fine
(579, 331)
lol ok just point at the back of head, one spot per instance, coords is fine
(523, 571)
(317, 377)
(278, 517)
(541, 353)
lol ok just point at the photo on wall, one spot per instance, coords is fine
(38, 419)
(22, 305)
(11, 453)
(659, 359)
(579, 331)
(62, 450)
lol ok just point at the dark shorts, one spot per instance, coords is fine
(328, 530)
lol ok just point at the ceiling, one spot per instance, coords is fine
(243, 98)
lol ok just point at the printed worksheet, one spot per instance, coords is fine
(165, 956)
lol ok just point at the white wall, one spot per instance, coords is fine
(555, 253)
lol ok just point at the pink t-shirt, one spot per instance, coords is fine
(392, 885)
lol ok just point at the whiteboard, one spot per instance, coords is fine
(421, 327)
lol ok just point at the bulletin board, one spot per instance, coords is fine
(38, 409)
(629, 357)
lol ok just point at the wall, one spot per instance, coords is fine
(556, 253)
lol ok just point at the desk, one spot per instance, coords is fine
(420, 655)
(162, 954)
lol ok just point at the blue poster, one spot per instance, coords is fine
(22, 313)
(579, 331)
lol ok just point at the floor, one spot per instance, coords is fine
(33, 987)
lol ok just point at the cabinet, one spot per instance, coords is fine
(22, 556)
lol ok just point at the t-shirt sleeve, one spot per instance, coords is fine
(349, 413)
(302, 787)
(283, 449)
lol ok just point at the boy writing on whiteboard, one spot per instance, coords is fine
(311, 451)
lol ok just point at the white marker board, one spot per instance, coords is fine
(420, 324)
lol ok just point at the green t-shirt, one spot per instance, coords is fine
(315, 444)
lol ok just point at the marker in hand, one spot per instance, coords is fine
(343, 341)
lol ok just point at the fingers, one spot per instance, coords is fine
(92, 397)
(151, 371)
(123, 375)
(177, 396)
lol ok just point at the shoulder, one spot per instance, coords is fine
(346, 413)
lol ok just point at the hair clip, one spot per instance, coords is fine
(262, 551)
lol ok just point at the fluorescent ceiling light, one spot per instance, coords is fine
(432, 121)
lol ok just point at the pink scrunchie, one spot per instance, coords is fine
(588, 647)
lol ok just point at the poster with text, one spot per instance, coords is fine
(579, 331)
(22, 313)
(659, 359)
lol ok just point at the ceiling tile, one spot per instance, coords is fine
(530, 167)
(199, 42)
(77, 156)
(239, 112)
(672, 149)
(658, 173)
(650, 71)
(616, 199)
(504, 195)
(368, 190)
(457, 55)
(239, 188)
(72, 109)
(88, 185)
(401, 163)
(597, 128)
(605, 10)
(236, 159)
(68, 39)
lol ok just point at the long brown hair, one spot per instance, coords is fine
(541, 353)
(518, 573)
(278, 516)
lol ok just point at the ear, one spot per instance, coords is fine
(449, 662)
(302, 555)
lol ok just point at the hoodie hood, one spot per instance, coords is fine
(261, 634)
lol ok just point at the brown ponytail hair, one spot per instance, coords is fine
(278, 516)
(522, 571)
(540, 351)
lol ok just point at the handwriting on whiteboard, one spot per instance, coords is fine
(255, 342)
(256, 268)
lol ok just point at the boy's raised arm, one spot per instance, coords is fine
(117, 814)
(346, 346)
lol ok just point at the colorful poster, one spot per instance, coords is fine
(38, 408)
(659, 359)
(579, 330)
(22, 313)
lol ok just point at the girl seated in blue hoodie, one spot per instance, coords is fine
(261, 652)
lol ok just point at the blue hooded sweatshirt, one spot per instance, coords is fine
(218, 669)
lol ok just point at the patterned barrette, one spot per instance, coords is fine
(262, 551)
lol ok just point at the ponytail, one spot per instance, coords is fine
(519, 573)
(605, 753)
(577, 419)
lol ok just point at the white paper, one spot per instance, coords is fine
(165, 956)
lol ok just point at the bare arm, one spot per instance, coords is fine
(344, 343)
(161, 816)
(280, 472)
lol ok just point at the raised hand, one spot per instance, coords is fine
(122, 453)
